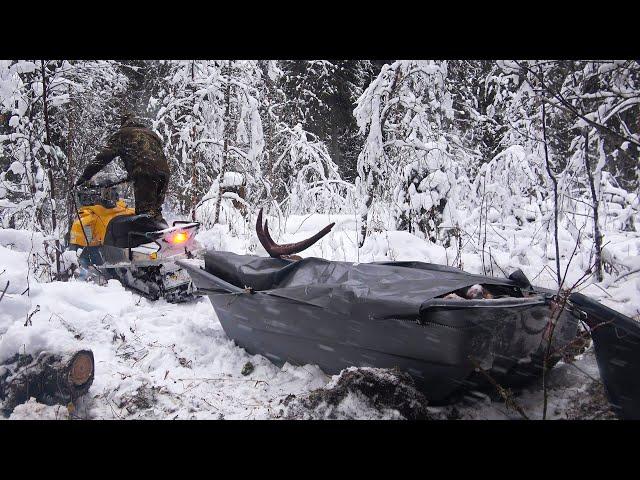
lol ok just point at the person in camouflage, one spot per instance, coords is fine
(141, 151)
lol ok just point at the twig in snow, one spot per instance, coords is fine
(584, 373)
(211, 405)
(114, 412)
(625, 275)
(4, 291)
(596, 285)
(28, 321)
(505, 393)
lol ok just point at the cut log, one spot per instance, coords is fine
(50, 378)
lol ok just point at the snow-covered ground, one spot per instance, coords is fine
(159, 360)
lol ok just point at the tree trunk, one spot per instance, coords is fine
(555, 192)
(54, 222)
(194, 160)
(70, 168)
(597, 236)
(50, 378)
(364, 229)
(227, 135)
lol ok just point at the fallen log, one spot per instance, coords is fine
(51, 378)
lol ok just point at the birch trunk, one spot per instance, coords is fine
(597, 235)
(52, 186)
(227, 135)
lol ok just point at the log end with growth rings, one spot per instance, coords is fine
(81, 368)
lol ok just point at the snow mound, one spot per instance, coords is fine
(21, 240)
(364, 393)
(32, 409)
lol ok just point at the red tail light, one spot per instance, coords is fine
(179, 237)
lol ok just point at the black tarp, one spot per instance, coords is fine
(397, 287)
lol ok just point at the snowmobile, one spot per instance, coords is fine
(112, 242)
(449, 329)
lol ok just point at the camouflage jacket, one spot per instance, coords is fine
(139, 148)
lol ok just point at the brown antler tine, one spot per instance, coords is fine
(259, 230)
(304, 244)
(291, 248)
(277, 251)
(274, 250)
(264, 241)
(268, 234)
(259, 221)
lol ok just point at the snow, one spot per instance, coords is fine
(175, 358)
(450, 167)
(232, 179)
(20, 240)
(354, 405)
(159, 360)
(32, 409)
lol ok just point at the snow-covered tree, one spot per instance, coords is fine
(191, 121)
(512, 185)
(211, 122)
(412, 162)
(23, 174)
(51, 107)
(321, 95)
(478, 90)
(307, 174)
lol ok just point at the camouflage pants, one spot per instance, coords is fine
(149, 191)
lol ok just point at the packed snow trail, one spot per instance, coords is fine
(155, 359)
(152, 359)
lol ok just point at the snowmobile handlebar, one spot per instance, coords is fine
(105, 184)
(113, 183)
(98, 193)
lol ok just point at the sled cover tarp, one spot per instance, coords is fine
(387, 288)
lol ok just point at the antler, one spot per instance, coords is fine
(277, 251)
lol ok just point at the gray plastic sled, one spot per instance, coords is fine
(341, 314)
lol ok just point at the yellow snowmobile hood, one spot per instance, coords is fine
(95, 219)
